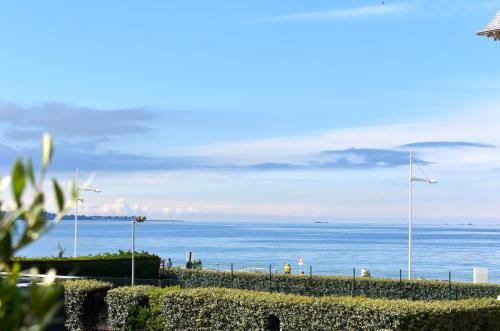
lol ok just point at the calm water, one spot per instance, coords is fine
(328, 248)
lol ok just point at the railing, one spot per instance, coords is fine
(317, 285)
(267, 282)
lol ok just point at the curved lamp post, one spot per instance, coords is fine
(138, 219)
(78, 190)
(410, 207)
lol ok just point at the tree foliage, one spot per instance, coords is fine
(33, 307)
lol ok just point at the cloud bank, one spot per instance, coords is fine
(446, 144)
(27, 123)
(467, 140)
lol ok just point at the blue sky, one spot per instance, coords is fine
(258, 109)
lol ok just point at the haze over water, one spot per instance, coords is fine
(331, 249)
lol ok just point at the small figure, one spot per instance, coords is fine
(287, 268)
(365, 273)
(302, 273)
(169, 263)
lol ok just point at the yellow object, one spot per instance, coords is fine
(287, 268)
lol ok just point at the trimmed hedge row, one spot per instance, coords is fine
(136, 307)
(333, 285)
(225, 309)
(229, 309)
(84, 304)
(148, 308)
(105, 265)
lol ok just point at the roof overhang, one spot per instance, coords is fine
(490, 33)
(492, 29)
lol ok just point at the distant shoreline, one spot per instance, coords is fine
(52, 216)
(124, 219)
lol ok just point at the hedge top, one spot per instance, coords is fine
(121, 255)
(348, 302)
(86, 285)
(230, 309)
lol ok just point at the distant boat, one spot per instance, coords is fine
(321, 222)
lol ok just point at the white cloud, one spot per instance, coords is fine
(480, 126)
(348, 13)
(118, 207)
(338, 194)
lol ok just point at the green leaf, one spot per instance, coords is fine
(5, 246)
(38, 200)
(46, 150)
(74, 191)
(59, 195)
(18, 181)
(30, 172)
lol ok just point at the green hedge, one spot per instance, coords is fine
(331, 285)
(84, 304)
(226, 309)
(147, 266)
(136, 307)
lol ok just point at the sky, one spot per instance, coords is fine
(258, 110)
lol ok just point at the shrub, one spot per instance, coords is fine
(136, 307)
(121, 300)
(149, 317)
(225, 309)
(103, 265)
(84, 304)
(333, 285)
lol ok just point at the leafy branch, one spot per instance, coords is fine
(32, 309)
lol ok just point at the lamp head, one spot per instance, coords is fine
(140, 219)
(432, 181)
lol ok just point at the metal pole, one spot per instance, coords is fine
(310, 271)
(232, 276)
(76, 215)
(133, 252)
(410, 215)
(353, 281)
(449, 283)
(270, 279)
(400, 283)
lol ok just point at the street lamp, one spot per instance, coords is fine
(138, 219)
(410, 209)
(78, 190)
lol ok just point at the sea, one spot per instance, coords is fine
(325, 248)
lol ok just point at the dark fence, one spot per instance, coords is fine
(311, 285)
